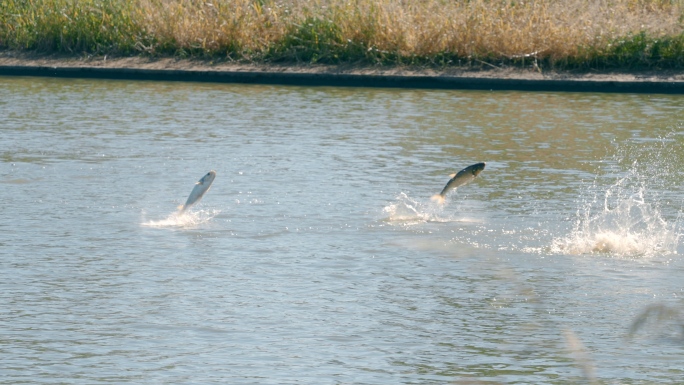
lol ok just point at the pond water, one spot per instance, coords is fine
(318, 257)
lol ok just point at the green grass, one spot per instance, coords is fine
(546, 34)
(643, 51)
(69, 26)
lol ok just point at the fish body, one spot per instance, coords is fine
(201, 187)
(459, 179)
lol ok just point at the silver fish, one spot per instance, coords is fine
(201, 187)
(459, 179)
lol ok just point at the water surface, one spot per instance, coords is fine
(318, 257)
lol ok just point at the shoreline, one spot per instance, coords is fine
(188, 70)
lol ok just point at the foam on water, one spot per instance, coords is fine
(185, 219)
(626, 218)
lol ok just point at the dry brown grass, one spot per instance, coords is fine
(379, 30)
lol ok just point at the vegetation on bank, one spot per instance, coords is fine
(558, 34)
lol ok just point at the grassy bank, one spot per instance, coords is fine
(550, 34)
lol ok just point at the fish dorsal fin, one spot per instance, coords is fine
(452, 175)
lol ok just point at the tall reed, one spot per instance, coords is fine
(551, 33)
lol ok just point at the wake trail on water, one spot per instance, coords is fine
(629, 217)
(183, 219)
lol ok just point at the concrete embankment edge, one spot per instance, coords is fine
(350, 80)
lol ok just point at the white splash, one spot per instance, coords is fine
(623, 220)
(632, 228)
(187, 219)
(405, 210)
(409, 211)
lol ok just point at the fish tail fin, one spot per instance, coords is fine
(439, 198)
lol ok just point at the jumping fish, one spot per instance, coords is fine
(201, 187)
(463, 177)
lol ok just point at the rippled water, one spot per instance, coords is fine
(318, 257)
